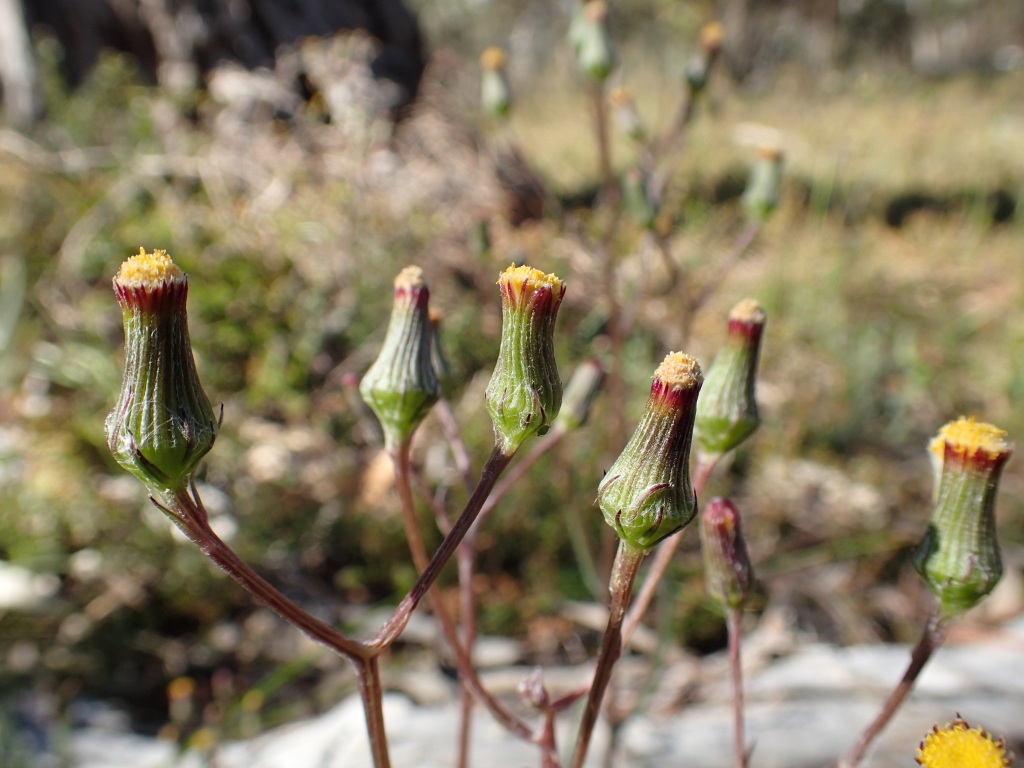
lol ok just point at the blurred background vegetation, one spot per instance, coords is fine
(890, 274)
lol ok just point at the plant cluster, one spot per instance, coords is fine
(163, 425)
(631, 225)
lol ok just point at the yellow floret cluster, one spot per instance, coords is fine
(679, 371)
(145, 270)
(748, 311)
(524, 278)
(492, 59)
(960, 746)
(965, 435)
(410, 277)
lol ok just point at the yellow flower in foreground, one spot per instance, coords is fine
(960, 746)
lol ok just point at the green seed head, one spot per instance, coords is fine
(525, 393)
(646, 495)
(583, 386)
(163, 423)
(495, 93)
(959, 558)
(438, 358)
(727, 566)
(401, 385)
(625, 114)
(727, 410)
(589, 38)
(699, 68)
(762, 194)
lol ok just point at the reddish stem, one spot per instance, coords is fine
(192, 518)
(734, 621)
(624, 569)
(468, 677)
(393, 627)
(931, 638)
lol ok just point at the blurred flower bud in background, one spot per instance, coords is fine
(401, 385)
(727, 410)
(727, 568)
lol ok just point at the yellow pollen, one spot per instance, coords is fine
(181, 688)
(771, 152)
(410, 277)
(711, 35)
(960, 746)
(965, 435)
(147, 270)
(492, 59)
(595, 11)
(748, 311)
(528, 278)
(679, 371)
(619, 96)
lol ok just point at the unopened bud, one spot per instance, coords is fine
(163, 423)
(727, 411)
(647, 495)
(625, 114)
(711, 35)
(401, 385)
(438, 358)
(525, 393)
(533, 690)
(495, 93)
(699, 68)
(727, 566)
(761, 196)
(589, 38)
(959, 557)
(583, 386)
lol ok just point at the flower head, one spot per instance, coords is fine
(493, 58)
(442, 369)
(495, 93)
(401, 385)
(525, 392)
(625, 114)
(727, 411)
(711, 35)
(646, 494)
(583, 386)
(957, 745)
(727, 566)
(761, 196)
(699, 68)
(588, 36)
(163, 423)
(959, 556)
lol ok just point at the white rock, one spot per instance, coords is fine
(21, 588)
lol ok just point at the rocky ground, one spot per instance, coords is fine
(805, 705)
